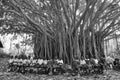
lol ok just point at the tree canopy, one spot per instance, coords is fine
(63, 28)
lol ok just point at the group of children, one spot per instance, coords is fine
(57, 66)
(37, 66)
(88, 66)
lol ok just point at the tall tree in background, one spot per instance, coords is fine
(64, 28)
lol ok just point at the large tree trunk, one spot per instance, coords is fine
(68, 47)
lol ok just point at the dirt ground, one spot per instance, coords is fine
(108, 75)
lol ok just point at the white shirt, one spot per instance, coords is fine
(11, 60)
(96, 61)
(60, 61)
(40, 61)
(82, 62)
(45, 61)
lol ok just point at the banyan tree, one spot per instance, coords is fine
(63, 29)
